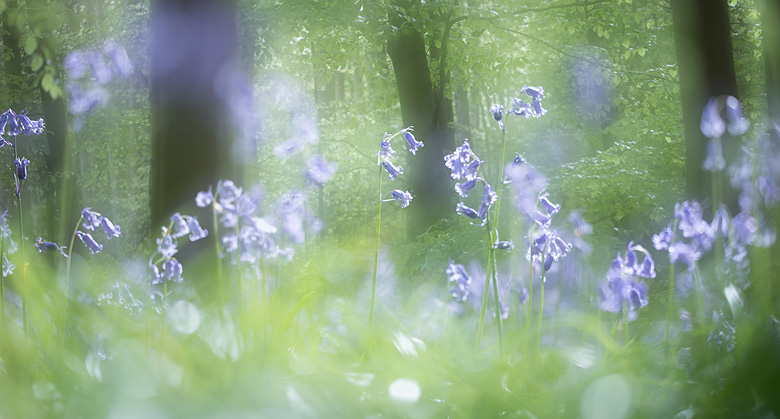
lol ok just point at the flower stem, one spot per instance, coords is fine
(486, 291)
(376, 251)
(625, 321)
(541, 295)
(220, 278)
(498, 307)
(67, 284)
(2, 284)
(18, 183)
(670, 290)
(530, 297)
(238, 274)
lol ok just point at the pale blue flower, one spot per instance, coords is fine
(91, 218)
(109, 227)
(319, 171)
(392, 170)
(404, 198)
(42, 245)
(86, 238)
(413, 143)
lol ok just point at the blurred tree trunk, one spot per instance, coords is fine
(60, 217)
(430, 183)
(770, 28)
(13, 54)
(706, 69)
(193, 58)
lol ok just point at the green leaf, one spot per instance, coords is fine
(641, 52)
(30, 45)
(47, 82)
(37, 62)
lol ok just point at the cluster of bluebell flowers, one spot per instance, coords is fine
(623, 287)
(84, 66)
(162, 264)
(92, 221)
(713, 126)
(18, 124)
(464, 165)
(386, 153)
(520, 107)
(247, 232)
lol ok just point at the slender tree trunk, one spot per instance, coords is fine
(706, 68)
(430, 183)
(770, 27)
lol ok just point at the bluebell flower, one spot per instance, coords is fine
(622, 285)
(578, 223)
(109, 227)
(712, 125)
(534, 92)
(519, 159)
(548, 246)
(663, 239)
(456, 274)
(227, 192)
(714, 161)
(685, 253)
(471, 169)
(196, 231)
(503, 244)
(75, 64)
(392, 170)
(118, 57)
(549, 206)
(8, 266)
(320, 171)
(413, 143)
(692, 225)
(180, 227)
(173, 270)
(536, 104)
(91, 218)
(230, 243)
(4, 142)
(463, 188)
(458, 160)
(527, 183)
(385, 151)
(14, 128)
(521, 108)
(167, 245)
(468, 212)
(21, 168)
(86, 238)
(404, 198)
(720, 222)
(744, 227)
(738, 124)
(497, 111)
(42, 245)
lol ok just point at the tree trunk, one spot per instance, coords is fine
(770, 27)
(59, 162)
(706, 68)
(430, 183)
(194, 49)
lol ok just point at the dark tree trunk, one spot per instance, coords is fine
(706, 68)
(62, 203)
(194, 49)
(430, 183)
(770, 27)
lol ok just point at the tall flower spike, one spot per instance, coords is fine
(413, 143)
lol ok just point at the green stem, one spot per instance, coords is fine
(376, 251)
(670, 291)
(238, 274)
(67, 284)
(220, 278)
(2, 283)
(486, 291)
(530, 297)
(625, 320)
(699, 296)
(18, 184)
(541, 295)
(498, 308)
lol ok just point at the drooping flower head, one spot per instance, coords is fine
(21, 168)
(403, 197)
(392, 170)
(456, 274)
(86, 238)
(42, 245)
(413, 143)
